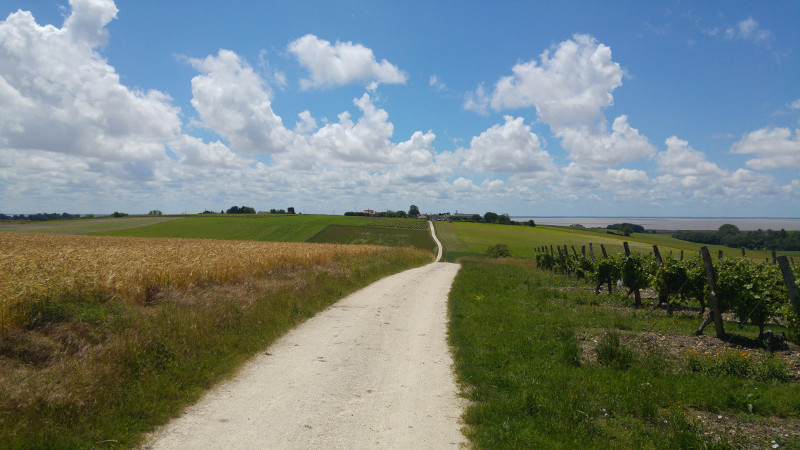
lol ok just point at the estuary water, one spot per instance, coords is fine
(673, 223)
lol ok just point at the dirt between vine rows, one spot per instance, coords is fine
(744, 430)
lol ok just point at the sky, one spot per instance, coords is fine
(626, 109)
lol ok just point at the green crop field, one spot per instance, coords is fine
(396, 222)
(280, 228)
(391, 237)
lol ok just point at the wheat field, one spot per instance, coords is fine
(34, 266)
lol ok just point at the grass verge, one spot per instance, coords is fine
(545, 363)
(100, 372)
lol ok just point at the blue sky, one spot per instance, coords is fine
(529, 108)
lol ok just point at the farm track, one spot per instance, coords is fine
(372, 371)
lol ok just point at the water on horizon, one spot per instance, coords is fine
(673, 223)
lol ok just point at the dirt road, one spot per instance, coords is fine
(371, 371)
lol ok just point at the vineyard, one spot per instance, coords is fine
(395, 222)
(756, 293)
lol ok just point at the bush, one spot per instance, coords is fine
(498, 251)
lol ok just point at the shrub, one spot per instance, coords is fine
(498, 251)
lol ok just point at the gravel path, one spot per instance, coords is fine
(372, 371)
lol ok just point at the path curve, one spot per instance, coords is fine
(435, 239)
(372, 371)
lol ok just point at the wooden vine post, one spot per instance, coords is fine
(591, 252)
(603, 248)
(636, 294)
(791, 287)
(657, 255)
(715, 309)
(663, 295)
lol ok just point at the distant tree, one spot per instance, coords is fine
(619, 226)
(118, 214)
(240, 210)
(627, 230)
(290, 210)
(728, 229)
(503, 219)
(476, 218)
(413, 211)
(531, 223)
(155, 212)
(490, 217)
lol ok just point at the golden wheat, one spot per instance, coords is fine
(36, 265)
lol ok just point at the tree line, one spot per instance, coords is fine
(730, 236)
(39, 217)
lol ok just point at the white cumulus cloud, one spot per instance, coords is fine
(234, 101)
(570, 85)
(364, 141)
(775, 148)
(508, 148)
(598, 147)
(341, 63)
(58, 94)
(682, 160)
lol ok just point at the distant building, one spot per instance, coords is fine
(369, 211)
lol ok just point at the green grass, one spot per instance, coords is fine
(390, 237)
(98, 372)
(464, 239)
(517, 337)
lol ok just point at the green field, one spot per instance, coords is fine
(279, 228)
(85, 226)
(469, 239)
(459, 238)
(390, 237)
